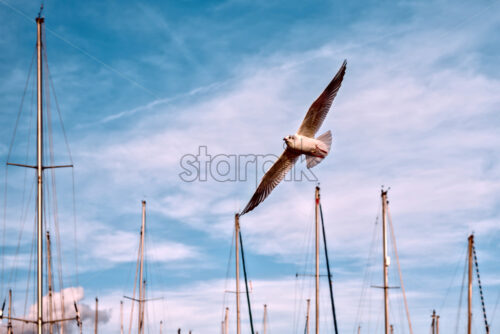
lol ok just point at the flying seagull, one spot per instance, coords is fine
(303, 142)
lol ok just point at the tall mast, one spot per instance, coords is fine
(265, 319)
(39, 168)
(237, 253)
(141, 282)
(121, 316)
(226, 322)
(307, 316)
(9, 324)
(469, 299)
(386, 261)
(433, 323)
(96, 323)
(317, 258)
(49, 274)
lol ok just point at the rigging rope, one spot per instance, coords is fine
(307, 265)
(480, 288)
(330, 284)
(246, 283)
(495, 310)
(461, 295)
(52, 183)
(6, 169)
(226, 282)
(393, 238)
(135, 285)
(367, 276)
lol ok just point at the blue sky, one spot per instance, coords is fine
(142, 84)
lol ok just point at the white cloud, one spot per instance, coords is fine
(62, 308)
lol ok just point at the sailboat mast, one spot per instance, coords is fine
(237, 253)
(39, 168)
(49, 278)
(121, 316)
(469, 296)
(141, 274)
(9, 324)
(317, 258)
(433, 323)
(385, 262)
(226, 322)
(96, 320)
(265, 319)
(307, 316)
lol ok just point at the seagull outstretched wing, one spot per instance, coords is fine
(272, 178)
(318, 110)
(310, 125)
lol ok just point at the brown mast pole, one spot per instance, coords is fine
(385, 262)
(226, 323)
(9, 324)
(141, 282)
(121, 316)
(237, 253)
(307, 315)
(96, 315)
(265, 319)
(433, 323)
(39, 168)
(317, 196)
(49, 274)
(469, 299)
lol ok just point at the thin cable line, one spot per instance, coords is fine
(97, 60)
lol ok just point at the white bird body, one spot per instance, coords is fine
(306, 145)
(303, 142)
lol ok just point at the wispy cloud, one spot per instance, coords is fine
(417, 112)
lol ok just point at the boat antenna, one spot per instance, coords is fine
(41, 10)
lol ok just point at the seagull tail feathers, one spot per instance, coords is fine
(326, 144)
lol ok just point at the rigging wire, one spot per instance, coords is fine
(94, 58)
(226, 283)
(494, 310)
(30, 69)
(480, 287)
(366, 277)
(135, 285)
(24, 210)
(459, 309)
(246, 283)
(50, 85)
(307, 266)
(330, 283)
(393, 238)
(52, 184)
(458, 262)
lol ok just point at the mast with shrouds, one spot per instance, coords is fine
(44, 317)
(140, 281)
